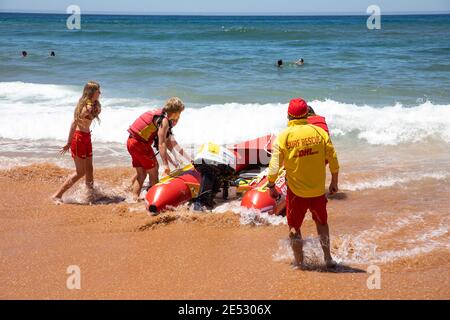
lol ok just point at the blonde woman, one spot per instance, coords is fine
(79, 141)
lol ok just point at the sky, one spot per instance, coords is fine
(228, 6)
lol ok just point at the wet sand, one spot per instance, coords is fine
(125, 254)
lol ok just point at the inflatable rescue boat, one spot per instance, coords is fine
(244, 166)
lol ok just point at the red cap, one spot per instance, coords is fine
(298, 108)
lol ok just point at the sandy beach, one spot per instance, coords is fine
(125, 254)
(382, 89)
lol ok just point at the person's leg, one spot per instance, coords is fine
(153, 175)
(145, 160)
(295, 237)
(89, 177)
(324, 234)
(133, 180)
(131, 150)
(296, 208)
(80, 165)
(141, 174)
(320, 215)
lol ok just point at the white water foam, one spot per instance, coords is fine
(254, 217)
(250, 216)
(102, 194)
(364, 248)
(391, 181)
(390, 125)
(41, 111)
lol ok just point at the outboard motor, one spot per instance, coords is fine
(216, 165)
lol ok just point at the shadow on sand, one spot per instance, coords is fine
(340, 268)
(337, 196)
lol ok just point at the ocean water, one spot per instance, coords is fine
(377, 88)
(217, 60)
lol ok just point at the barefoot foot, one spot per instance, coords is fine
(56, 200)
(331, 264)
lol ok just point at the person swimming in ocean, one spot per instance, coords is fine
(24, 54)
(79, 142)
(280, 63)
(52, 54)
(300, 62)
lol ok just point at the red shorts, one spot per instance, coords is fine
(81, 145)
(296, 208)
(142, 154)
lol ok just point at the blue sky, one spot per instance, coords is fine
(226, 6)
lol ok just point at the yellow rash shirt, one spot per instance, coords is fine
(303, 148)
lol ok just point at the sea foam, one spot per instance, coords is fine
(44, 111)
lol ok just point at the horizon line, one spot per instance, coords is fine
(353, 13)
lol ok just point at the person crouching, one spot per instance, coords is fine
(153, 127)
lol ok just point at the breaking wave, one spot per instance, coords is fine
(44, 111)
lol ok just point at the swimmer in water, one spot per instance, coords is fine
(300, 62)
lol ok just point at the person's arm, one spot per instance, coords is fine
(331, 156)
(97, 109)
(162, 138)
(86, 111)
(334, 185)
(276, 162)
(169, 157)
(91, 111)
(66, 148)
(175, 146)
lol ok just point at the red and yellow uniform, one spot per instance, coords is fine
(303, 149)
(142, 134)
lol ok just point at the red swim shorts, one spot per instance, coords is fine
(81, 145)
(142, 154)
(296, 208)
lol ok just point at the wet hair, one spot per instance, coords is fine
(280, 63)
(301, 60)
(24, 53)
(174, 105)
(86, 99)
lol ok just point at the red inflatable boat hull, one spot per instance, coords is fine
(184, 185)
(259, 197)
(173, 192)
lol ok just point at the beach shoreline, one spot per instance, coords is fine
(382, 95)
(125, 254)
